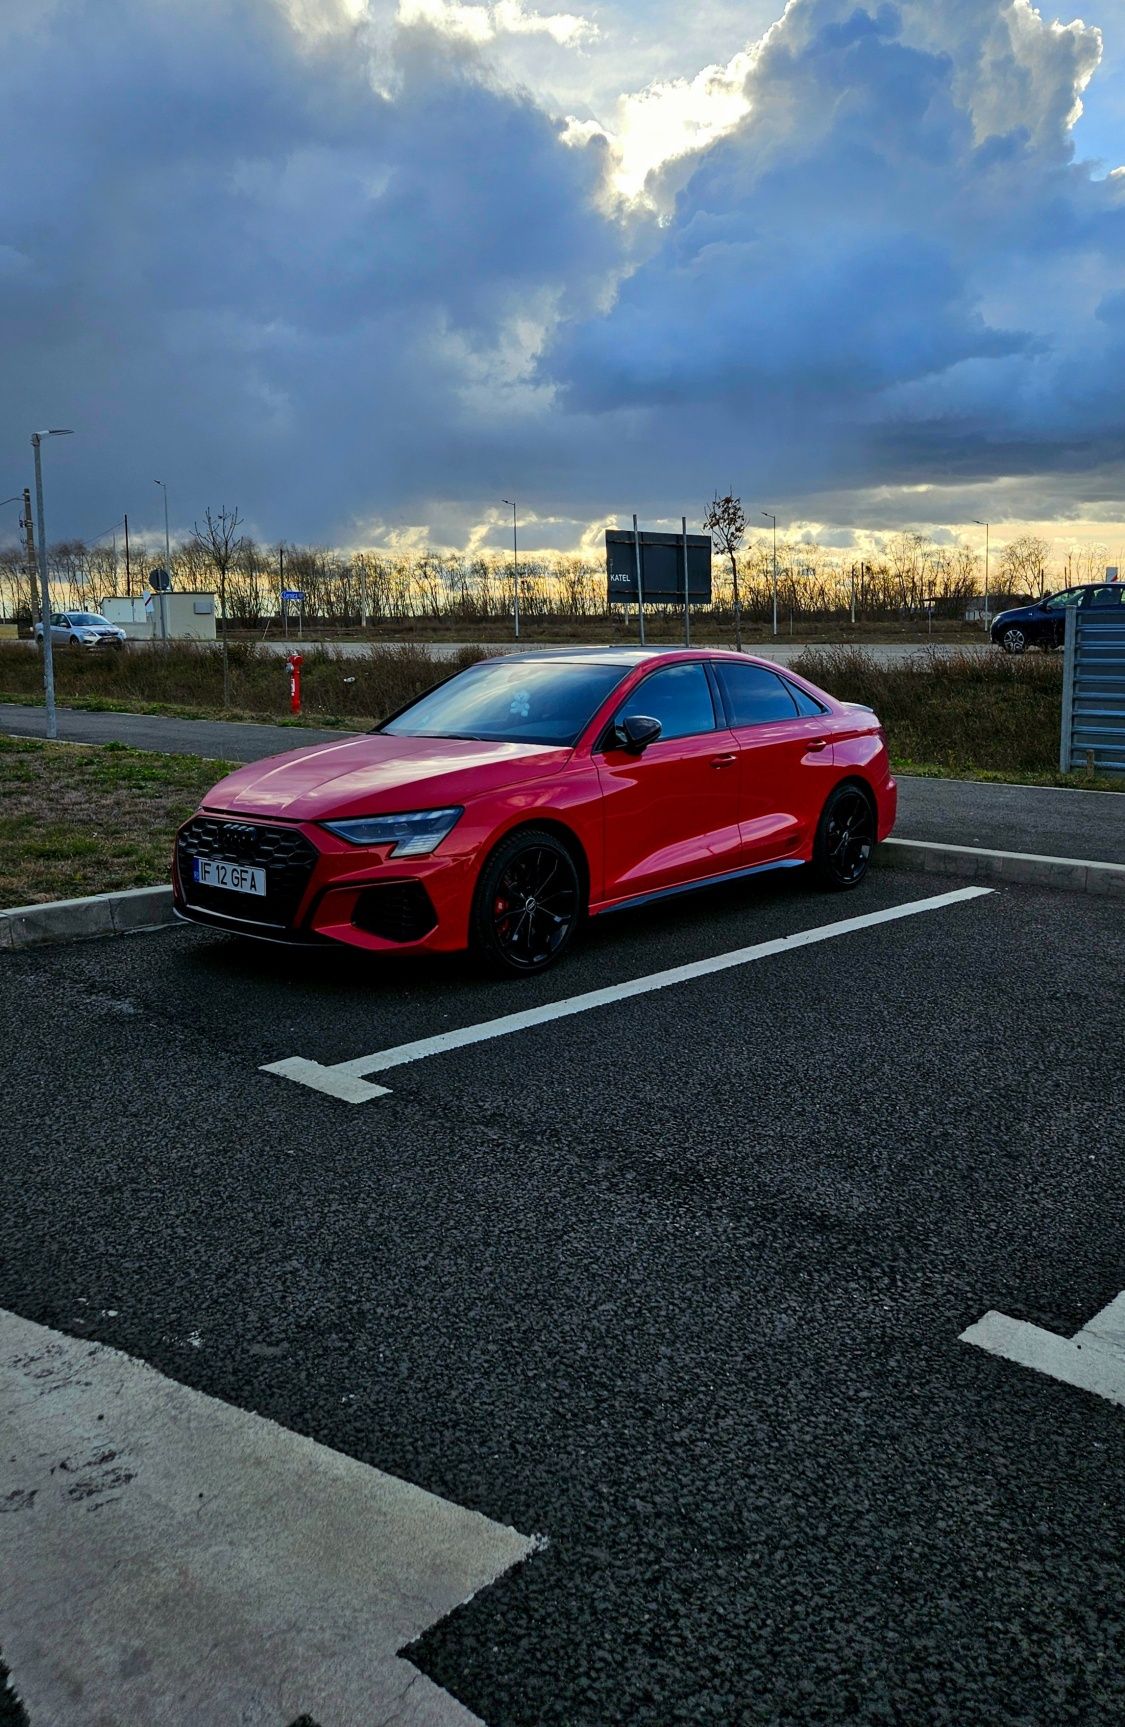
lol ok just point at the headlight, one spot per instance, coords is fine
(414, 835)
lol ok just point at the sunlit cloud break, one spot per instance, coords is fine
(505, 18)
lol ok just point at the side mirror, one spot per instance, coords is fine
(636, 732)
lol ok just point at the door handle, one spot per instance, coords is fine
(723, 761)
(817, 744)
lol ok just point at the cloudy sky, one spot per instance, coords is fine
(366, 267)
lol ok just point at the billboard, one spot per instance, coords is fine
(662, 568)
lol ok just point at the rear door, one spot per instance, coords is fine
(785, 768)
(670, 814)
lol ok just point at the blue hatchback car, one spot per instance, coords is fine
(1043, 625)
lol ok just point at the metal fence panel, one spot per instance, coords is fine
(1093, 708)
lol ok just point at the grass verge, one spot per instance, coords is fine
(78, 819)
(186, 680)
(959, 716)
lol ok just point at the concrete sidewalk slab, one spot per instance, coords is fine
(172, 1560)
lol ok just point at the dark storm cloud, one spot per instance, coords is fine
(343, 274)
(228, 260)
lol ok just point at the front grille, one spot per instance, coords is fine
(287, 857)
(396, 911)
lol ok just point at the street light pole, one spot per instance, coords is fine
(167, 562)
(773, 519)
(515, 569)
(985, 526)
(44, 584)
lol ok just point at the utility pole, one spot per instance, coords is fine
(853, 594)
(128, 573)
(515, 570)
(45, 586)
(32, 571)
(640, 581)
(772, 518)
(687, 593)
(167, 565)
(986, 527)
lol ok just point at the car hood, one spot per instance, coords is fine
(373, 774)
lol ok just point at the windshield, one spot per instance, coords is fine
(87, 618)
(512, 702)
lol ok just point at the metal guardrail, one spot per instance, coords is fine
(1093, 703)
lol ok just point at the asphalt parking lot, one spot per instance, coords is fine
(676, 1283)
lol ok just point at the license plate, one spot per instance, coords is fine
(239, 878)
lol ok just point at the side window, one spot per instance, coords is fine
(1072, 597)
(807, 706)
(753, 695)
(1114, 596)
(678, 696)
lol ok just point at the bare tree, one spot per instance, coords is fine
(1023, 565)
(221, 542)
(725, 521)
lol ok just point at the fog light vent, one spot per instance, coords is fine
(395, 911)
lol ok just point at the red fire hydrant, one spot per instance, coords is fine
(294, 664)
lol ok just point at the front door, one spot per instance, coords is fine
(671, 813)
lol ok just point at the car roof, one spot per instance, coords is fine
(617, 656)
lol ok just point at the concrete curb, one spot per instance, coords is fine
(1075, 875)
(144, 908)
(136, 908)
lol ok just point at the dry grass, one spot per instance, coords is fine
(79, 819)
(956, 713)
(188, 678)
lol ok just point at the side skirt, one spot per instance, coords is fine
(693, 886)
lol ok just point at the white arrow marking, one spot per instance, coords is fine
(170, 1560)
(347, 1079)
(1093, 1359)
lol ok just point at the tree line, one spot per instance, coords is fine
(909, 574)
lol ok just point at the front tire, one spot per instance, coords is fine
(845, 839)
(1013, 640)
(527, 904)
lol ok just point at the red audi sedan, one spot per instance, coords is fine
(528, 792)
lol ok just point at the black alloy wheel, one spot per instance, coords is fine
(845, 839)
(1013, 640)
(528, 902)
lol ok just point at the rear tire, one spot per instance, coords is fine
(845, 839)
(528, 903)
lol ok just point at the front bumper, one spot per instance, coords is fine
(321, 889)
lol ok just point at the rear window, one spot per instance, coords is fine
(807, 706)
(753, 695)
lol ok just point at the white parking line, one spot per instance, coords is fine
(1093, 1359)
(171, 1560)
(347, 1080)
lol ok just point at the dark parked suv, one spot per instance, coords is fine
(1043, 625)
